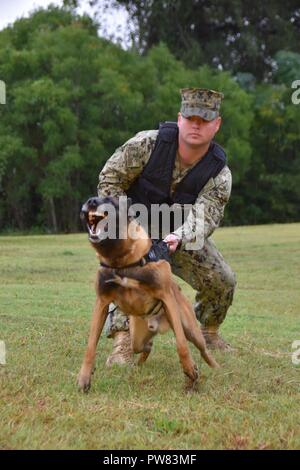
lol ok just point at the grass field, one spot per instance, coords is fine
(252, 402)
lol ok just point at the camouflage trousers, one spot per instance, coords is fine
(208, 273)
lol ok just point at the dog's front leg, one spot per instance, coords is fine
(98, 319)
(189, 367)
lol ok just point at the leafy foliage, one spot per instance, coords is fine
(232, 34)
(72, 98)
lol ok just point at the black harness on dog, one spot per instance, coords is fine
(158, 251)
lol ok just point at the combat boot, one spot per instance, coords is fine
(122, 353)
(214, 340)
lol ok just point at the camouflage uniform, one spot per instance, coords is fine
(205, 270)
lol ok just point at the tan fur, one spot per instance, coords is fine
(136, 298)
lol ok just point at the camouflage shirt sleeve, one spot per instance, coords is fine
(126, 164)
(210, 203)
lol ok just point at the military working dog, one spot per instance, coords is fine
(143, 289)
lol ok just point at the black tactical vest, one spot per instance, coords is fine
(154, 183)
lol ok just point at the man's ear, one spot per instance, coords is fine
(219, 123)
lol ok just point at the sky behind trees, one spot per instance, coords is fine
(11, 10)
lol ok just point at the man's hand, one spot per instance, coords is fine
(173, 241)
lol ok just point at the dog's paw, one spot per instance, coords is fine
(192, 378)
(83, 383)
(192, 372)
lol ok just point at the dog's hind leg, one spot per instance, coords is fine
(189, 367)
(191, 327)
(98, 319)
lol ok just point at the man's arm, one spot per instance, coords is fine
(126, 164)
(214, 198)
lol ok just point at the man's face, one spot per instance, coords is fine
(195, 131)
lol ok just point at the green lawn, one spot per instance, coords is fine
(46, 300)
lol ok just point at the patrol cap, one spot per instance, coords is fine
(200, 102)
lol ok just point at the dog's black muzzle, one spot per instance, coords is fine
(92, 213)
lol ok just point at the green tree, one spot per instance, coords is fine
(50, 65)
(72, 98)
(270, 190)
(236, 35)
(51, 139)
(287, 67)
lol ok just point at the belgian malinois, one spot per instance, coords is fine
(143, 289)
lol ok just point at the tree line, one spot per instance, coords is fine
(74, 97)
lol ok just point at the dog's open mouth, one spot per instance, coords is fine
(95, 225)
(93, 220)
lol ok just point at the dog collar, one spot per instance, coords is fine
(141, 262)
(158, 251)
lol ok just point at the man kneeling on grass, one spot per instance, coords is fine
(180, 164)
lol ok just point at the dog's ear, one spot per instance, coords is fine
(129, 202)
(83, 212)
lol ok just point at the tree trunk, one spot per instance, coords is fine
(53, 214)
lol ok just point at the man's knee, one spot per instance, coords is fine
(218, 277)
(228, 277)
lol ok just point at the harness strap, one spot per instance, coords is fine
(159, 250)
(141, 262)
